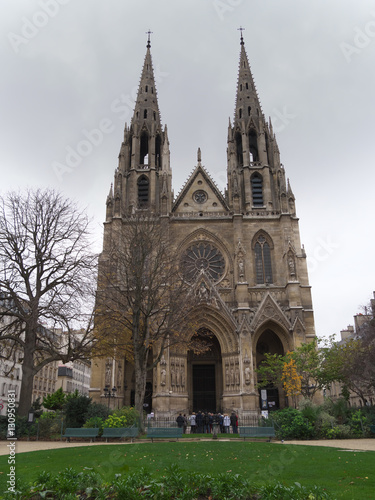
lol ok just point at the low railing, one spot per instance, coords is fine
(246, 421)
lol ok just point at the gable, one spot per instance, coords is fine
(199, 195)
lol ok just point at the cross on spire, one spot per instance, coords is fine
(149, 32)
(241, 29)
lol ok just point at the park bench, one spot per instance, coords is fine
(74, 432)
(372, 429)
(164, 432)
(257, 432)
(120, 432)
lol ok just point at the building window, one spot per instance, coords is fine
(143, 191)
(263, 265)
(253, 146)
(144, 149)
(257, 190)
(202, 257)
(239, 150)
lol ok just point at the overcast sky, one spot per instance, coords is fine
(69, 74)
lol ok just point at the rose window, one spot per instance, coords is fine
(202, 256)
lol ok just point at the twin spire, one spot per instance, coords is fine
(147, 108)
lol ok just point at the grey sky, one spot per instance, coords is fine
(71, 68)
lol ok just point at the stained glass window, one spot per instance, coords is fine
(263, 265)
(202, 256)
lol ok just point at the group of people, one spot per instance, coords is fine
(203, 422)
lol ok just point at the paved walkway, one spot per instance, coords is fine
(346, 444)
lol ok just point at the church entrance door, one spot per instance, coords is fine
(205, 379)
(204, 388)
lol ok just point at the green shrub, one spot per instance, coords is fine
(174, 483)
(309, 410)
(113, 421)
(94, 423)
(97, 410)
(338, 432)
(338, 409)
(291, 424)
(279, 491)
(23, 428)
(124, 417)
(324, 424)
(48, 428)
(55, 401)
(75, 410)
(358, 424)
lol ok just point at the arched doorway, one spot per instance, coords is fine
(268, 343)
(205, 379)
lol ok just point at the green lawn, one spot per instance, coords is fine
(345, 474)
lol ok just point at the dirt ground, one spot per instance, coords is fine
(346, 444)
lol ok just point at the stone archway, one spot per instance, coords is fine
(205, 375)
(270, 341)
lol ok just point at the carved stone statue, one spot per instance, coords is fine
(241, 269)
(108, 372)
(163, 374)
(247, 375)
(119, 374)
(292, 267)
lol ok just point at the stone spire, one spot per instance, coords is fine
(247, 100)
(146, 109)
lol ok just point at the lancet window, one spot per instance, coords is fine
(263, 264)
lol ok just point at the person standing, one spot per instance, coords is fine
(221, 422)
(199, 422)
(180, 420)
(226, 423)
(193, 423)
(234, 422)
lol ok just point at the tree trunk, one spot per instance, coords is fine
(140, 368)
(26, 384)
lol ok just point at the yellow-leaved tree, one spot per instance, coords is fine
(290, 378)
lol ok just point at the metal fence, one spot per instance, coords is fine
(246, 421)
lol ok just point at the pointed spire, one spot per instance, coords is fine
(247, 100)
(199, 157)
(146, 107)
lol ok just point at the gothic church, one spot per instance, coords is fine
(255, 292)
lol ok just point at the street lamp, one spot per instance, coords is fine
(109, 393)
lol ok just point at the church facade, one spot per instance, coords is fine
(254, 295)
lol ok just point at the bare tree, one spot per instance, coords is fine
(47, 275)
(143, 304)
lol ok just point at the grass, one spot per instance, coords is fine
(345, 474)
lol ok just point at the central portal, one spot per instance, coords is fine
(205, 375)
(204, 388)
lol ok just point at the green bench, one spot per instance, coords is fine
(73, 432)
(257, 432)
(372, 429)
(164, 432)
(120, 432)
